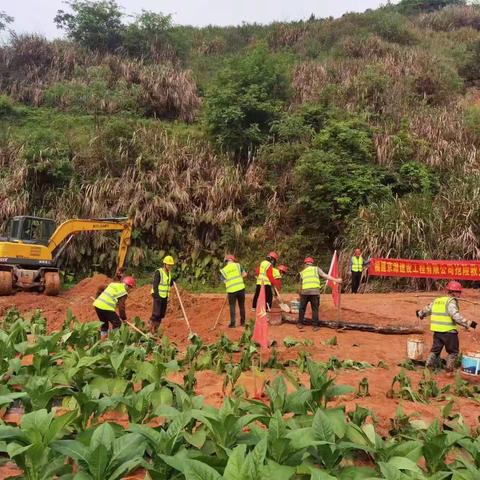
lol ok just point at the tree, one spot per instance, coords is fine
(421, 6)
(95, 25)
(148, 31)
(248, 95)
(4, 20)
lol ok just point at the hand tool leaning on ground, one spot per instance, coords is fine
(219, 314)
(183, 309)
(284, 306)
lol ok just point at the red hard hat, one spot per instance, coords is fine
(230, 257)
(454, 286)
(130, 281)
(308, 260)
(273, 255)
(283, 268)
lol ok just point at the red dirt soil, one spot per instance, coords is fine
(202, 310)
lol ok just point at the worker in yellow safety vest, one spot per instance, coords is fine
(357, 264)
(160, 291)
(265, 276)
(444, 320)
(112, 297)
(310, 291)
(232, 275)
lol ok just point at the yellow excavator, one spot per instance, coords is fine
(30, 251)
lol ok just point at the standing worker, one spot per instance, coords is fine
(233, 275)
(444, 320)
(265, 275)
(162, 281)
(357, 264)
(106, 303)
(310, 291)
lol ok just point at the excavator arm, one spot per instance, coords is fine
(71, 227)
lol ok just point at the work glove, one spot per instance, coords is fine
(473, 325)
(419, 315)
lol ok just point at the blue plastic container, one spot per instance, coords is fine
(471, 364)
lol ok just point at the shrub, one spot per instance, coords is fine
(350, 139)
(6, 105)
(410, 7)
(414, 177)
(330, 187)
(246, 98)
(436, 81)
(470, 70)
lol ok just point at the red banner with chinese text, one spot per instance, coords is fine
(449, 269)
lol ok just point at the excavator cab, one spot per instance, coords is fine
(34, 230)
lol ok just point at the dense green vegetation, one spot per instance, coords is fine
(301, 136)
(75, 382)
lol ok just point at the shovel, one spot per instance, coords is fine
(283, 306)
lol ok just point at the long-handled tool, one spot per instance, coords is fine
(182, 307)
(133, 327)
(219, 314)
(284, 306)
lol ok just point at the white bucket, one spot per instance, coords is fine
(415, 348)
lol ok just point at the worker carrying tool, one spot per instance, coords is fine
(444, 320)
(310, 291)
(265, 275)
(112, 297)
(160, 291)
(357, 264)
(232, 275)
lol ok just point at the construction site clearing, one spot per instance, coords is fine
(384, 352)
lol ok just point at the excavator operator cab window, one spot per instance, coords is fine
(33, 230)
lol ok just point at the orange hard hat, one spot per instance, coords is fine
(283, 269)
(273, 255)
(130, 281)
(454, 286)
(308, 260)
(230, 257)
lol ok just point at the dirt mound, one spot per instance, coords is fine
(88, 287)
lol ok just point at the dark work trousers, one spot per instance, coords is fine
(268, 296)
(315, 304)
(106, 317)
(449, 340)
(356, 278)
(159, 310)
(233, 298)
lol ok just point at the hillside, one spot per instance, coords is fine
(303, 137)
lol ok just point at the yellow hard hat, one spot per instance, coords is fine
(168, 260)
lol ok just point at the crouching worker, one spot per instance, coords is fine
(162, 281)
(112, 297)
(445, 318)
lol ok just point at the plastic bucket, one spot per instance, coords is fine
(415, 348)
(294, 306)
(471, 364)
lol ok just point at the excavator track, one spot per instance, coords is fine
(6, 283)
(52, 283)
